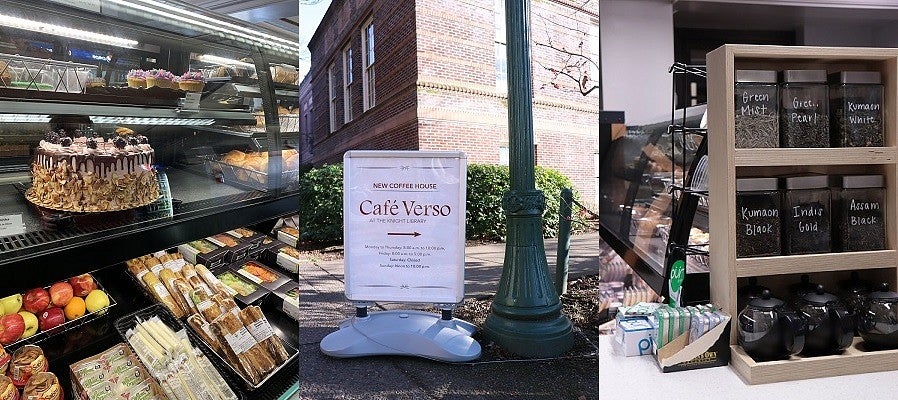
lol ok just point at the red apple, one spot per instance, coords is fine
(60, 294)
(12, 327)
(51, 318)
(36, 300)
(82, 285)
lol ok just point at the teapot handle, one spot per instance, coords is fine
(844, 327)
(793, 332)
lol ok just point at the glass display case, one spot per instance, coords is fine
(641, 176)
(127, 127)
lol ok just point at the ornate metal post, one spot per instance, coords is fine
(526, 314)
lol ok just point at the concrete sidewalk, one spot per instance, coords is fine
(323, 306)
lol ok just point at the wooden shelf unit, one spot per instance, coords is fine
(726, 163)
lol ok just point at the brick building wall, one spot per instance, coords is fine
(437, 85)
(391, 123)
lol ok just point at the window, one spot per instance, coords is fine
(332, 89)
(368, 97)
(347, 84)
(501, 55)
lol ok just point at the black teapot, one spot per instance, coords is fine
(830, 327)
(768, 330)
(750, 291)
(877, 319)
(854, 291)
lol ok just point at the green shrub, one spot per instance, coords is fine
(321, 204)
(321, 199)
(486, 186)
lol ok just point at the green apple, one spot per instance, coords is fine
(11, 304)
(30, 323)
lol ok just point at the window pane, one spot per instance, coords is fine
(369, 33)
(501, 68)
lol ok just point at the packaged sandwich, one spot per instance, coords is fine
(168, 279)
(260, 329)
(162, 294)
(231, 333)
(202, 328)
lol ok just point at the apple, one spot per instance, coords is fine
(10, 304)
(30, 324)
(61, 293)
(51, 318)
(96, 300)
(36, 300)
(12, 327)
(82, 285)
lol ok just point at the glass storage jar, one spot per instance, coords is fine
(757, 108)
(856, 104)
(757, 217)
(859, 204)
(804, 113)
(806, 215)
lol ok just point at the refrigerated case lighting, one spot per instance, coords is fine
(24, 118)
(152, 121)
(224, 61)
(72, 33)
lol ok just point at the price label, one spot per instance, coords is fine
(192, 101)
(11, 225)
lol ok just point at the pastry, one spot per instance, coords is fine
(28, 360)
(161, 78)
(137, 78)
(92, 175)
(8, 391)
(95, 82)
(219, 72)
(192, 82)
(43, 386)
(122, 131)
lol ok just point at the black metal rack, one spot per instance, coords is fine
(686, 194)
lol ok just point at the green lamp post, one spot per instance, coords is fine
(525, 318)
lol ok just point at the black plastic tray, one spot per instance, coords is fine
(123, 324)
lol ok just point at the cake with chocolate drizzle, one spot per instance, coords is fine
(91, 174)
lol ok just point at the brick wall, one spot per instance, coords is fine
(391, 123)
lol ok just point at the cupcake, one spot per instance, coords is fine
(161, 78)
(137, 78)
(192, 81)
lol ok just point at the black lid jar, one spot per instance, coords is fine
(757, 109)
(757, 217)
(804, 113)
(859, 211)
(856, 103)
(806, 215)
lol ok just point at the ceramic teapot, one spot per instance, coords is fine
(830, 327)
(877, 319)
(768, 330)
(750, 291)
(854, 291)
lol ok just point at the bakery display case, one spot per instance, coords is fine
(127, 128)
(641, 184)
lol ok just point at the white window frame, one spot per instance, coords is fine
(333, 96)
(347, 84)
(501, 63)
(369, 98)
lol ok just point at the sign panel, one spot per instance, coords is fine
(404, 225)
(11, 224)
(192, 101)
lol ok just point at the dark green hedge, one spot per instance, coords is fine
(321, 197)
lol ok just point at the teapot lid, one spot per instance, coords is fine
(765, 302)
(855, 284)
(884, 295)
(820, 297)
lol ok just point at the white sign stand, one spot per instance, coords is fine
(404, 236)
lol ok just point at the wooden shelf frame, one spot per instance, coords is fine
(725, 159)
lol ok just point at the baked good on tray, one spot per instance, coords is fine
(137, 78)
(5, 75)
(92, 174)
(192, 81)
(95, 83)
(162, 79)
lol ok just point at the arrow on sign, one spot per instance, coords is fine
(415, 234)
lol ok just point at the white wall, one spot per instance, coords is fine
(637, 50)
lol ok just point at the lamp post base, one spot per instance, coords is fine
(531, 338)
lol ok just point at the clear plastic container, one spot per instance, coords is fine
(859, 207)
(758, 205)
(804, 113)
(856, 103)
(756, 109)
(807, 211)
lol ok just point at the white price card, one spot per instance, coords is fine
(404, 225)
(192, 101)
(11, 224)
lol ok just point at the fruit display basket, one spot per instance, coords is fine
(67, 326)
(244, 177)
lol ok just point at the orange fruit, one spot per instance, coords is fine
(75, 308)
